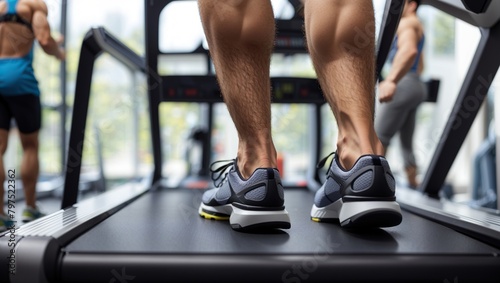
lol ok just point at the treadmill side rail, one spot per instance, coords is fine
(316, 267)
(36, 259)
(38, 244)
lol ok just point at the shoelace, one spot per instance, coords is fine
(322, 162)
(218, 176)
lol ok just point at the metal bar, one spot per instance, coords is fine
(95, 267)
(96, 41)
(89, 52)
(496, 130)
(135, 124)
(479, 77)
(316, 126)
(152, 17)
(63, 109)
(206, 152)
(118, 50)
(488, 17)
(390, 21)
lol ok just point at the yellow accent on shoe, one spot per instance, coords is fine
(316, 219)
(213, 217)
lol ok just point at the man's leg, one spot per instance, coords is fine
(4, 138)
(359, 190)
(240, 34)
(406, 138)
(341, 41)
(29, 167)
(26, 110)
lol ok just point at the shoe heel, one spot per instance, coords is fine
(370, 214)
(242, 219)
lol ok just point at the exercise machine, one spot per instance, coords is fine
(150, 232)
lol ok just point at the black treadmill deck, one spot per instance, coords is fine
(161, 235)
(168, 222)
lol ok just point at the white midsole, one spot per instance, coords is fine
(347, 210)
(246, 218)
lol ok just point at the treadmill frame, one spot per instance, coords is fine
(40, 250)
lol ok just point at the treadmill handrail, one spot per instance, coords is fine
(114, 47)
(96, 41)
(456, 8)
(477, 82)
(390, 21)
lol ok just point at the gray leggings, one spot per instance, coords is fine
(399, 115)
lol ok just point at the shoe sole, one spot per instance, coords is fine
(241, 219)
(360, 214)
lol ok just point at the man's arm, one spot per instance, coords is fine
(406, 54)
(41, 29)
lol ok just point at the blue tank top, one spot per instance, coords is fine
(11, 6)
(17, 76)
(394, 49)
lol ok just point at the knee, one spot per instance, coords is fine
(31, 146)
(29, 142)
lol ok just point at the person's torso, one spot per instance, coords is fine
(16, 34)
(16, 49)
(420, 46)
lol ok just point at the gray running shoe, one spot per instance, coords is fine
(255, 203)
(362, 197)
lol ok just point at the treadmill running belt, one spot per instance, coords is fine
(160, 237)
(167, 221)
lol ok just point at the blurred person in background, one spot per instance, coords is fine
(402, 90)
(22, 23)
